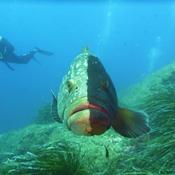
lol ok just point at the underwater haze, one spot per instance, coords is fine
(131, 39)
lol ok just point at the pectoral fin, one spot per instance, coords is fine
(129, 123)
(54, 110)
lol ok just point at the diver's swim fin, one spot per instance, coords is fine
(54, 111)
(129, 123)
(44, 52)
(11, 68)
(36, 60)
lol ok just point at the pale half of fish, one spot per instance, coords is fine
(87, 102)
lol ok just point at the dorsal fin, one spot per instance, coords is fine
(54, 111)
(85, 50)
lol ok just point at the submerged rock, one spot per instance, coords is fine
(156, 96)
(51, 149)
(38, 147)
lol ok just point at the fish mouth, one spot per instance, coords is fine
(89, 106)
(89, 119)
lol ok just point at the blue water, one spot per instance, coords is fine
(132, 40)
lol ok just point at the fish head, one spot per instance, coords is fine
(87, 99)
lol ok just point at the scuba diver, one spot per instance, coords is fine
(7, 54)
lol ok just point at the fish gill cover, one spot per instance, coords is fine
(51, 149)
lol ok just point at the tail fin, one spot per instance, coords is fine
(129, 123)
(44, 52)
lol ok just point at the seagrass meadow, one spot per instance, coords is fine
(47, 148)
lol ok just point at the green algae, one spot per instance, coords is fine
(49, 159)
(88, 151)
(157, 99)
(52, 149)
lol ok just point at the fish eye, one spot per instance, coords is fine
(70, 85)
(105, 84)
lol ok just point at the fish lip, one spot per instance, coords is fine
(89, 106)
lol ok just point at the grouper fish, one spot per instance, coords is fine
(87, 102)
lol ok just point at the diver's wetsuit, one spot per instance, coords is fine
(21, 59)
(7, 54)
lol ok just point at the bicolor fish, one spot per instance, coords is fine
(87, 102)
